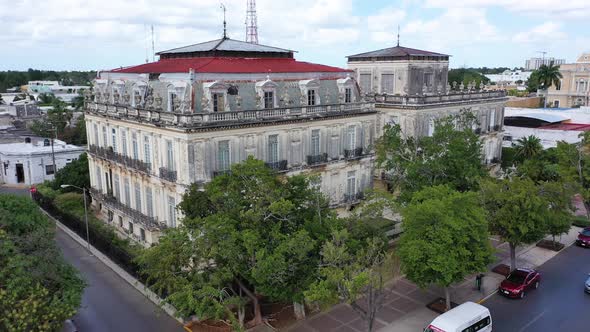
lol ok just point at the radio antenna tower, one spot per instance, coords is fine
(251, 23)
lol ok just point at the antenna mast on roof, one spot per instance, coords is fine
(224, 23)
(145, 37)
(153, 46)
(398, 35)
(251, 22)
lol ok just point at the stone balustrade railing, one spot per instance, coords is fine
(452, 97)
(204, 119)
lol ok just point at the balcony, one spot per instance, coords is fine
(109, 154)
(167, 174)
(220, 173)
(355, 153)
(209, 119)
(150, 223)
(317, 159)
(453, 97)
(351, 198)
(279, 166)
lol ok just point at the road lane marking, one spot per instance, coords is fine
(532, 321)
(487, 297)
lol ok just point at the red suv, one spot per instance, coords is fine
(584, 238)
(519, 281)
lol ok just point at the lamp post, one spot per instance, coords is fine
(85, 212)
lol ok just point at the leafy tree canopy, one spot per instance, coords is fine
(466, 76)
(75, 173)
(38, 290)
(452, 156)
(445, 237)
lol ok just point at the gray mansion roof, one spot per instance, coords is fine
(225, 47)
(397, 52)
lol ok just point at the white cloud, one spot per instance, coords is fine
(543, 33)
(383, 26)
(549, 8)
(456, 27)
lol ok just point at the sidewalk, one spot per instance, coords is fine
(405, 306)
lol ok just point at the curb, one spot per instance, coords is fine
(168, 309)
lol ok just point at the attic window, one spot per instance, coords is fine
(232, 90)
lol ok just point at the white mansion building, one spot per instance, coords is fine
(156, 128)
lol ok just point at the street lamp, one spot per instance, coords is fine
(85, 212)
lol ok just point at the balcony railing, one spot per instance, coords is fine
(110, 201)
(353, 197)
(204, 119)
(278, 166)
(355, 153)
(452, 97)
(127, 161)
(317, 159)
(167, 174)
(222, 172)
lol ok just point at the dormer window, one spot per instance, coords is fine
(266, 91)
(269, 99)
(311, 97)
(218, 104)
(309, 90)
(345, 89)
(172, 99)
(348, 95)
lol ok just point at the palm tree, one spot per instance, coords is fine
(548, 76)
(528, 147)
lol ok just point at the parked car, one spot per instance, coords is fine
(518, 282)
(584, 238)
(587, 284)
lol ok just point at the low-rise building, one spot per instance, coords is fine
(510, 77)
(65, 93)
(574, 87)
(549, 125)
(31, 160)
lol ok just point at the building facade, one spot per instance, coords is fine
(410, 87)
(535, 63)
(574, 88)
(510, 77)
(155, 129)
(31, 161)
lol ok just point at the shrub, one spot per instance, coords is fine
(580, 221)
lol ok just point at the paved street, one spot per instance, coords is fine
(109, 303)
(559, 304)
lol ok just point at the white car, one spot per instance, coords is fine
(468, 316)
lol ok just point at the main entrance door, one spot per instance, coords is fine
(20, 173)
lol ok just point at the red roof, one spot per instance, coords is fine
(568, 126)
(229, 65)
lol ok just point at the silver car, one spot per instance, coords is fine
(587, 284)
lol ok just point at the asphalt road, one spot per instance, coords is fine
(560, 303)
(109, 303)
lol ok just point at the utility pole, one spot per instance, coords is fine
(53, 151)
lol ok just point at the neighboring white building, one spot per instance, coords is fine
(549, 125)
(510, 77)
(31, 161)
(65, 93)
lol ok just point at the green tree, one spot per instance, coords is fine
(532, 83)
(558, 217)
(75, 173)
(261, 236)
(452, 155)
(549, 75)
(466, 76)
(516, 211)
(528, 147)
(445, 238)
(352, 276)
(38, 290)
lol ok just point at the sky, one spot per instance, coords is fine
(106, 34)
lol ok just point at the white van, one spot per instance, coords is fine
(468, 317)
